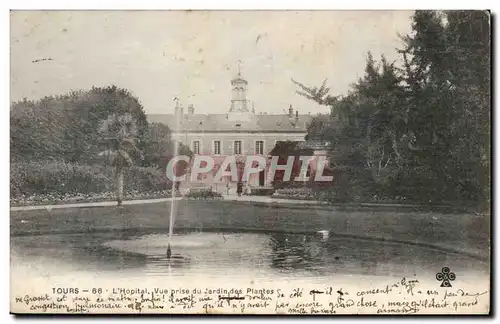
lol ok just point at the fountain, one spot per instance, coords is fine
(172, 212)
(178, 113)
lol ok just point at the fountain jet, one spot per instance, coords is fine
(176, 149)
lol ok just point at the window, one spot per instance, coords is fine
(237, 147)
(196, 147)
(216, 147)
(259, 147)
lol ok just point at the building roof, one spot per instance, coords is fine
(221, 123)
(238, 79)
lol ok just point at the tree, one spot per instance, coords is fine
(283, 150)
(158, 144)
(66, 127)
(365, 127)
(468, 34)
(447, 72)
(119, 135)
(420, 130)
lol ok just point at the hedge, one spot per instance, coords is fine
(205, 193)
(262, 191)
(56, 199)
(63, 178)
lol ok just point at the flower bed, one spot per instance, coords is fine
(262, 191)
(57, 199)
(294, 193)
(200, 193)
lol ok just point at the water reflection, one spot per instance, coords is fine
(292, 251)
(233, 254)
(81, 252)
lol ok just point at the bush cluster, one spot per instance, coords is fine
(262, 191)
(294, 193)
(207, 193)
(62, 179)
(56, 199)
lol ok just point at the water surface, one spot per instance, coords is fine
(226, 255)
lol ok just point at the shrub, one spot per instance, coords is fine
(63, 178)
(262, 191)
(28, 178)
(145, 179)
(54, 199)
(331, 195)
(294, 193)
(203, 193)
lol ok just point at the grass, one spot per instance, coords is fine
(468, 233)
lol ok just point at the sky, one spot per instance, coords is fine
(193, 55)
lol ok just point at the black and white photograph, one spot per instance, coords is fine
(242, 162)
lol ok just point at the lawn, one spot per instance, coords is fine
(468, 233)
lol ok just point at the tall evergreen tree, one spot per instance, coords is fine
(420, 130)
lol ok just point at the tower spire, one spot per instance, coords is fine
(239, 100)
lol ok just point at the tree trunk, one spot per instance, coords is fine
(119, 185)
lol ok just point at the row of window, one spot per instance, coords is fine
(237, 147)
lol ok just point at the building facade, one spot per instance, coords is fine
(241, 131)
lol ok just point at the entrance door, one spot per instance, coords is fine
(261, 178)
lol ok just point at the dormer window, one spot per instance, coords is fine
(238, 125)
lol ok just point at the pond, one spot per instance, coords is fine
(227, 255)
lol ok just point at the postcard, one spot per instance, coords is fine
(250, 162)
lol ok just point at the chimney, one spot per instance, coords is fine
(296, 114)
(290, 112)
(190, 110)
